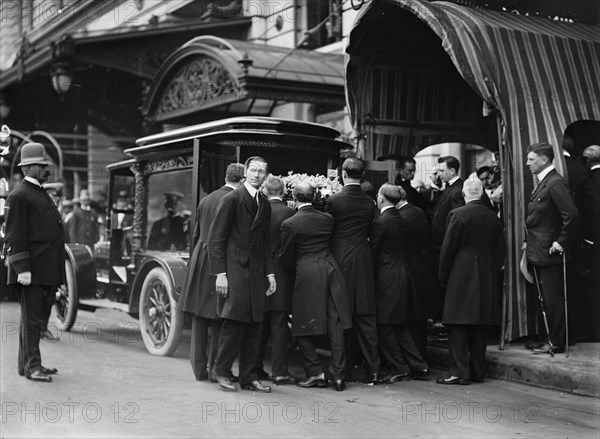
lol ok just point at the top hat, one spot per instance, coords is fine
(33, 154)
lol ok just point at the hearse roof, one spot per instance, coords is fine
(237, 127)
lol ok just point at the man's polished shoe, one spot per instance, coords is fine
(420, 375)
(281, 380)
(395, 377)
(49, 370)
(534, 345)
(40, 376)
(233, 378)
(49, 336)
(339, 385)
(224, 383)
(256, 386)
(314, 381)
(372, 378)
(548, 349)
(450, 379)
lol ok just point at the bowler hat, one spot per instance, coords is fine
(33, 154)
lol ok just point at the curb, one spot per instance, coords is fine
(579, 377)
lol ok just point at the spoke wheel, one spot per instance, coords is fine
(160, 321)
(65, 308)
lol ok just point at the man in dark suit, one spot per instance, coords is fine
(472, 254)
(353, 212)
(450, 198)
(405, 168)
(551, 221)
(198, 296)
(169, 233)
(278, 306)
(394, 287)
(319, 303)
(36, 256)
(590, 234)
(239, 255)
(418, 254)
(83, 226)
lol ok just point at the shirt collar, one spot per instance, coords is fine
(400, 207)
(352, 184)
(383, 209)
(301, 205)
(566, 153)
(230, 185)
(33, 181)
(595, 167)
(451, 182)
(545, 172)
(275, 198)
(251, 189)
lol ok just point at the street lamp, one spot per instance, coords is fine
(61, 77)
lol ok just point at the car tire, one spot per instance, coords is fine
(65, 308)
(161, 324)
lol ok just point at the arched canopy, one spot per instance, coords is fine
(237, 77)
(536, 75)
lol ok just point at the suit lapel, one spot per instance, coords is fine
(262, 204)
(540, 186)
(248, 200)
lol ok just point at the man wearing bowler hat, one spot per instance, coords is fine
(36, 256)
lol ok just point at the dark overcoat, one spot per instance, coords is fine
(238, 245)
(412, 195)
(551, 216)
(34, 236)
(83, 226)
(198, 295)
(281, 300)
(450, 198)
(305, 239)
(394, 287)
(167, 233)
(470, 261)
(418, 253)
(353, 213)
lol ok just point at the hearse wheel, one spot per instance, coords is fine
(160, 321)
(65, 309)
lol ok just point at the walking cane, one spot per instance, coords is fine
(541, 299)
(564, 258)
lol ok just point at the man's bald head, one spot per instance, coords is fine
(472, 189)
(304, 192)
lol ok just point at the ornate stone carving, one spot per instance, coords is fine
(182, 161)
(198, 83)
(139, 212)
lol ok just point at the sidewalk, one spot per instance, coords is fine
(579, 374)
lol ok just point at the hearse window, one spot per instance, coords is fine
(121, 217)
(169, 210)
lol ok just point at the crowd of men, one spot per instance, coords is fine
(358, 273)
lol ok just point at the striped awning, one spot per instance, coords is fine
(541, 76)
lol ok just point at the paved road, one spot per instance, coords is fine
(109, 386)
